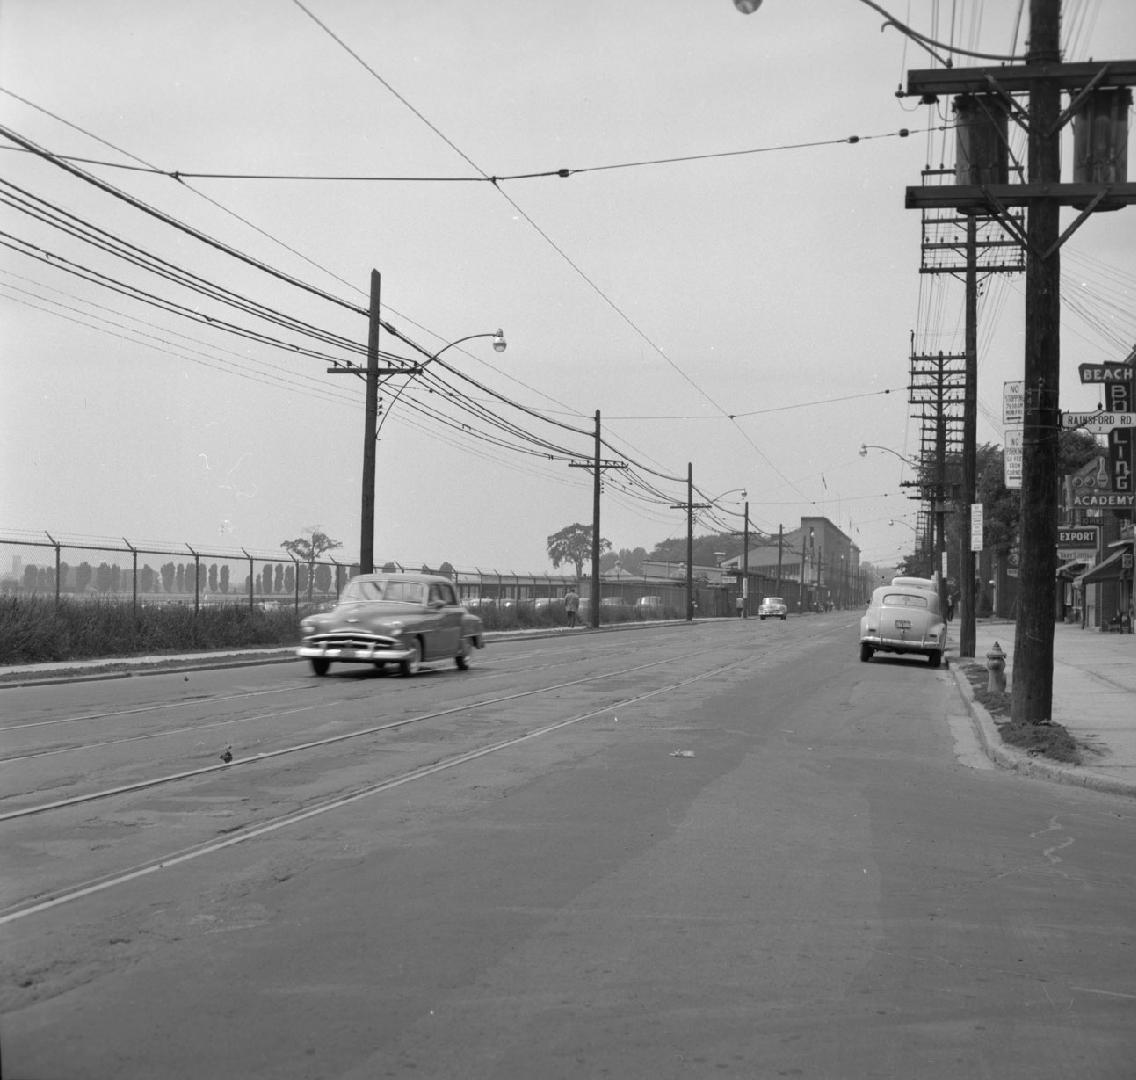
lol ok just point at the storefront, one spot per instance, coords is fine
(1111, 582)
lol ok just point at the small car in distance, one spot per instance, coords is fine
(904, 619)
(773, 607)
(404, 619)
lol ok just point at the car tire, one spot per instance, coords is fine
(934, 658)
(413, 662)
(866, 653)
(320, 666)
(379, 665)
(784, 617)
(462, 658)
(761, 617)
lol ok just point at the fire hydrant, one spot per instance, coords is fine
(996, 666)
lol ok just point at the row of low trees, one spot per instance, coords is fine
(306, 574)
(177, 578)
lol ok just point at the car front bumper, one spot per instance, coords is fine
(356, 648)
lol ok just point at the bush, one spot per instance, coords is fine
(36, 629)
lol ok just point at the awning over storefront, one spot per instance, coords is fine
(1109, 570)
(1069, 571)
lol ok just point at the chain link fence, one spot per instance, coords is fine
(155, 574)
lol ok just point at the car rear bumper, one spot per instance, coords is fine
(924, 646)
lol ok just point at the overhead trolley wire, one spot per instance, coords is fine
(197, 234)
(58, 218)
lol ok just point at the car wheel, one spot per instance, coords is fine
(411, 664)
(783, 617)
(462, 658)
(320, 665)
(865, 653)
(761, 617)
(379, 665)
(934, 658)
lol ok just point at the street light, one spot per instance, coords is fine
(865, 447)
(371, 423)
(499, 345)
(745, 544)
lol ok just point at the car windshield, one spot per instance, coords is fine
(904, 600)
(405, 592)
(773, 600)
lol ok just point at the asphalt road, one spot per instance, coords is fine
(730, 849)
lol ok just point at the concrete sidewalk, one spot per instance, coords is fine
(1094, 699)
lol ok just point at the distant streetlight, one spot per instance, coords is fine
(865, 447)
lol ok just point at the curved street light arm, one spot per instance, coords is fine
(865, 447)
(499, 344)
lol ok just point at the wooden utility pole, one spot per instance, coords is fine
(967, 598)
(1097, 185)
(690, 506)
(1037, 534)
(370, 430)
(745, 565)
(597, 466)
(780, 552)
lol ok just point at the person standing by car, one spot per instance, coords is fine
(950, 606)
(571, 605)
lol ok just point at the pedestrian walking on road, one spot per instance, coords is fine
(571, 605)
(950, 606)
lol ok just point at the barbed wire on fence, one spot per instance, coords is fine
(205, 576)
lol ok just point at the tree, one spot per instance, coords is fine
(323, 578)
(1076, 449)
(168, 576)
(309, 548)
(225, 578)
(212, 577)
(573, 544)
(83, 575)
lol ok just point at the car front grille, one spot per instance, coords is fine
(352, 639)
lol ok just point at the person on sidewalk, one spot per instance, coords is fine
(571, 605)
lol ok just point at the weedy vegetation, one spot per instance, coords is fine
(1045, 740)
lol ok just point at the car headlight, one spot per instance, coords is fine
(394, 627)
(307, 628)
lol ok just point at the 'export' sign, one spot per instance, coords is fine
(1078, 536)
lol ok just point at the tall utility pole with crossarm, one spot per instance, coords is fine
(1098, 93)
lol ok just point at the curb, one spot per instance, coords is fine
(1020, 762)
(128, 668)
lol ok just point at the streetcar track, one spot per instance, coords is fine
(197, 699)
(497, 670)
(331, 740)
(327, 804)
(492, 670)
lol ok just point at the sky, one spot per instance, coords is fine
(724, 276)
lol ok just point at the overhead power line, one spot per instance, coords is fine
(562, 173)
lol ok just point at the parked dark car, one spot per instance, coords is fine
(404, 619)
